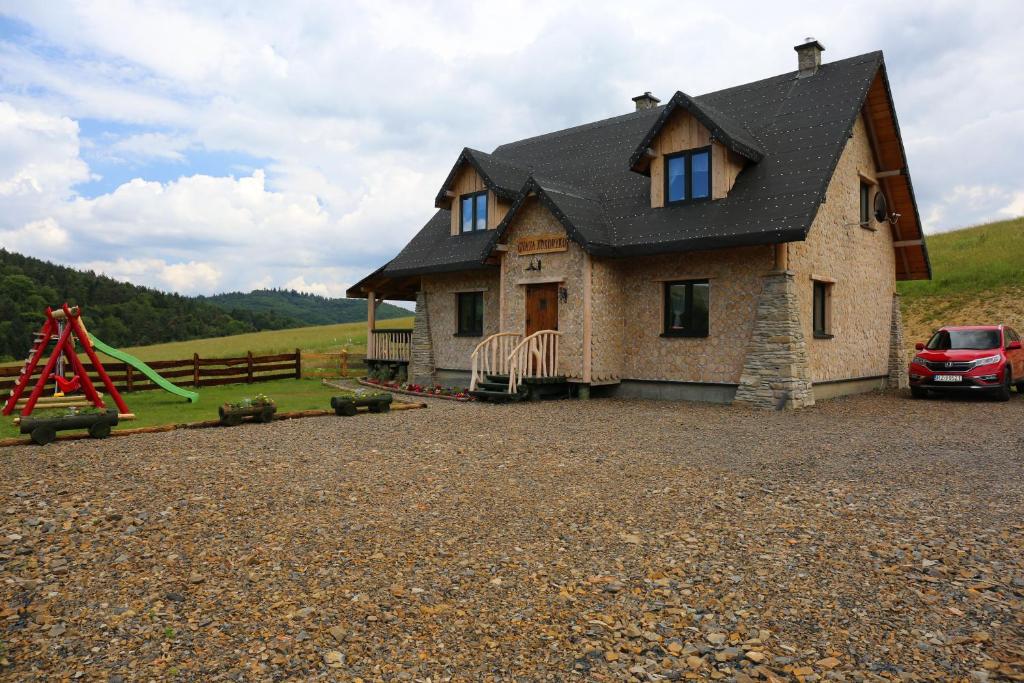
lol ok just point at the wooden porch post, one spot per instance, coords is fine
(781, 257)
(371, 321)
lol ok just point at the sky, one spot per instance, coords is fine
(212, 146)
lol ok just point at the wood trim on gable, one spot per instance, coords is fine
(683, 132)
(894, 181)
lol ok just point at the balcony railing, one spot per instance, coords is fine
(392, 345)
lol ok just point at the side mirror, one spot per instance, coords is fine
(919, 346)
(1013, 346)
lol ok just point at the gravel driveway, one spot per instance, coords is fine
(869, 538)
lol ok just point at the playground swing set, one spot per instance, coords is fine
(66, 327)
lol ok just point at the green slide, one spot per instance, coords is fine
(143, 368)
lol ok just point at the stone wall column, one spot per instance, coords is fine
(421, 364)
(897, 354)
(776, 372)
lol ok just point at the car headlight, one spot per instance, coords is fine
(919, 361)
(987, 360)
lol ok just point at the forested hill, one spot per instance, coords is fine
(123, 314)
(309, 309)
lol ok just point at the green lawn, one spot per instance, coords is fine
(972, 260)
(319, 338)
(154, 408)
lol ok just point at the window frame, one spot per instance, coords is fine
(474, 198)
(478, 330)
(688, 198)
(825, 330)
(865, 198)
(666, 298)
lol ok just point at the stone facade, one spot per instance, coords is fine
(861, 265)
(775, 374)
(565, 267)
(452, 352)
(421, 365)
(898, 378)
(735, 279)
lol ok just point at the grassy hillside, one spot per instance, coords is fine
(318, 338)
(308, 309)
(978, 277)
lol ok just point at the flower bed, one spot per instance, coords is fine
(433, 391)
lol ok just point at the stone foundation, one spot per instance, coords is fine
(776, 372)
(421, 365)
(897, 355)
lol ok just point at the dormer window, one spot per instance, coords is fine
(473, 209)
(688, 176)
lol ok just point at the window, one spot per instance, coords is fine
(966, 340)
(473, 212)
(686, 308)
(471, 314)
(865, 203)
(822, 310)
(688, 176)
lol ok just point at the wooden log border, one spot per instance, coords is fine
(206, 424)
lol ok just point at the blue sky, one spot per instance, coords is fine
(213, 146)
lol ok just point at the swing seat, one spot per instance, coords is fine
(68, 386)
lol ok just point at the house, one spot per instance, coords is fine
(739, 246)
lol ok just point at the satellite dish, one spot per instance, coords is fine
(881, 208)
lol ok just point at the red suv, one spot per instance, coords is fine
(984, 358)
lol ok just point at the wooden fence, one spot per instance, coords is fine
(191, 372)
(335, 364)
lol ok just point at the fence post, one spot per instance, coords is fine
(298, 364)
(248, 379)
(195, 369)
(128, 376)
(343, 363)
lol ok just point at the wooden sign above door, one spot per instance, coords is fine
(541, 244)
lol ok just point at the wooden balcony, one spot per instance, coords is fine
(389, 345)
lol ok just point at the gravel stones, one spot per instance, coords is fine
(866, 539)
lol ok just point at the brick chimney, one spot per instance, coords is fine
(809, 57)
(646, 101)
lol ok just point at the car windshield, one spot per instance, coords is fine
(951, 340)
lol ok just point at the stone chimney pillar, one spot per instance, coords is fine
(808, 57)
(646, 101)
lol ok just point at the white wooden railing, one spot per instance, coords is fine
(491, 356)
(534, 356)
(389, 345)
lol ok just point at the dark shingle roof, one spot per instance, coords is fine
(793, 129)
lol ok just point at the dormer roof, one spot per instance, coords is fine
(724, 129)
(499, 176)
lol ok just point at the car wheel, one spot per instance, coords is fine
(1003, 392)
(1020, 387)
(918, 392)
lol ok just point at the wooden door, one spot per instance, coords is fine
(541, 307)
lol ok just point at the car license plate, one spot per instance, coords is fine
(948, 378)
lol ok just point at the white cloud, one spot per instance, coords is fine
(360, 108)
(41, 237)
(328, 289)
(189, 278)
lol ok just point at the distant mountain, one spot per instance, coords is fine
(119, 313)
(307, 309)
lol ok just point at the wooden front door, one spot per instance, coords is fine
(541, 307)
